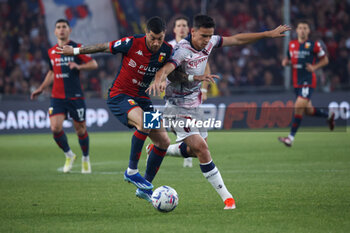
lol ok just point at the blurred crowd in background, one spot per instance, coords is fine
(24, 44)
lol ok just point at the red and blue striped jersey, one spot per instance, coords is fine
(300, 54)
(138, 66)
(66, 84)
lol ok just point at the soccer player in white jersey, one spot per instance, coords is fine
(184, 98)
(181, 30)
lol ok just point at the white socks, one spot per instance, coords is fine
(131, 172)
(174, 150)
(85, 158)
(214, 177)
(291, 137)
(69, 154)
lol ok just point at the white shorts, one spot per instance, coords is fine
(183, 121)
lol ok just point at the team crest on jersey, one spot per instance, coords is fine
(307, 45)
(131, 102)
(161, 57)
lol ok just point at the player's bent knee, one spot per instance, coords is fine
(81, 132)
(80, 129)
(163, 143)
(56, 128)
(200, 149)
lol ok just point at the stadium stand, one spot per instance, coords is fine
(24, 43)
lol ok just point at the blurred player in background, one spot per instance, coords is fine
(301, 55)
(183, 100)
(67, 95)
(142, 56)
(181, 29)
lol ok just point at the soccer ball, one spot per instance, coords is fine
(165, 199)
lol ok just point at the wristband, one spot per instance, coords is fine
(190, 78)
(76, 51)
(204, 90)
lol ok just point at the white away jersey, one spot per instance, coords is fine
(172, 42)
(193, 62)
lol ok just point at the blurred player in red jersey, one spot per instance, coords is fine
(67, 95)
(142, 57)
(301, 55)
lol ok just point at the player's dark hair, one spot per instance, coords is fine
(182, 17)
(62, 21)
(303, 21)
(203, 21)
(156, 25)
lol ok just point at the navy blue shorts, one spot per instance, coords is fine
(304, 92)
(75, 108)
(122, 104)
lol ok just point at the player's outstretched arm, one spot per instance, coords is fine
(47, 82)
(96, 48)
(248, 38)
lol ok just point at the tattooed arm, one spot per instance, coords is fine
(96, 48)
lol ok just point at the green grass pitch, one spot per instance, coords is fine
(305, 188)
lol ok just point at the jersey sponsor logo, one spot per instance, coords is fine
(147, 70)
(62, 61)
(139, 53)
(161, 57)
(195, 63)
(298, 66)
(300, 54)
(63, 75)
(132, 63)
(139, 83)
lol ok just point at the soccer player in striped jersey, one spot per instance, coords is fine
(184, 96)
(142, 56)
(67, 95)
(302, 55)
